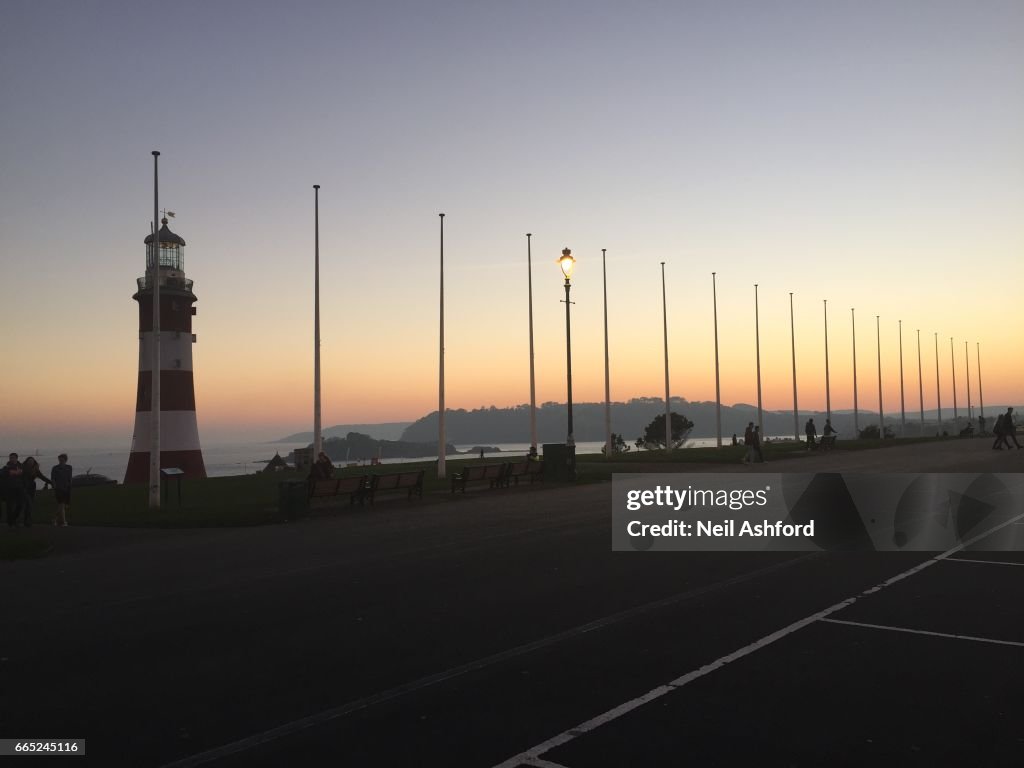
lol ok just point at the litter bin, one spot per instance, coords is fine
(293, 499)
(559, 462)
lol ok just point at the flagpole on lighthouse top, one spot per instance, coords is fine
(154, 400)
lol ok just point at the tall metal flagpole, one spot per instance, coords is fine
(828, 390)
(792, 338)
(967, 362)
(607, 375)
(154, 400)
(938, 386)
(878, 342)
(441, 451)
(856, 419)
(718, 385)
(668, 409)
(952, 358)
(903, 404)
(533, 385)
(757, 341)
(317, 434)
(920, 379)
(981, 397)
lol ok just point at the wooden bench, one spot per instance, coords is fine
(410, 482)
(353, 485)
(494, 474)
(526, 468)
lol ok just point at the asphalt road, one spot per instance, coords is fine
(499, 628)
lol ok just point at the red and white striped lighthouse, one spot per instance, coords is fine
(179, 433)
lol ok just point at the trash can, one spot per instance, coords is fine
(293, 499)
(559, 462)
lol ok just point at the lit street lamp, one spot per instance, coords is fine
(567, 264)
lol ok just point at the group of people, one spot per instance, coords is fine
(1005, 430)
(812, 432)
(18, 488)
(752, 439)
(322, 468)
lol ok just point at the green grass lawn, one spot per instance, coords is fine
(254, 499)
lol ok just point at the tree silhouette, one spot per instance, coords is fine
(654, 433)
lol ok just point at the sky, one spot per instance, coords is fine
(867, 153)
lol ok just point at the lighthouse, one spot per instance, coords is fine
(179, 432)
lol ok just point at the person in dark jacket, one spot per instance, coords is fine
(60, 474)
(812, 432)
(29, 474)
(13, 488)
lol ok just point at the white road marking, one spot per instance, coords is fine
(925, 632)
(539, 763)
(319, 718)
(656, 693)
(986, 562)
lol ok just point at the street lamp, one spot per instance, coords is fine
(567, 263)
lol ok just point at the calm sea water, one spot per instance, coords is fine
(247, 458)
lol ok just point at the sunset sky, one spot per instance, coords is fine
(870, 153)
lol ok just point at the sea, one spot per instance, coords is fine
(249, 458)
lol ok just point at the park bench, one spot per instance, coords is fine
(353, 485)
(526, 468)
(494, 474)
(410, 482)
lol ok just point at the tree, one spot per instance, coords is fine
(618, 444)
(654, 433)
(639, 443)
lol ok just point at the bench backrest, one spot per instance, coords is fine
(397, 480)
(518, 468)
(336, 485)
(482, 471)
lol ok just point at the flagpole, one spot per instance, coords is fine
(952, 359)
(607, 374)
(718, 386)
(757, 342)
(441, 448)
(981, 397)
(668, 410)
(154, 401)
(903, 405)
(920, 380)
(317, 434)
(792, 337)
(967, 362)
(533, 386)
(938, 386)
(828, 391)
(856, 420)
(881, 412)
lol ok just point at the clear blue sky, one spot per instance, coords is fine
(868, 152)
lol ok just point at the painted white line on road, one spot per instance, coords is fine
(656, 693)
(325, 716)
(985, 562)
(925, 632)
(538, 763)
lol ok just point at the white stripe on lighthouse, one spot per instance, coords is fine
(178, 431)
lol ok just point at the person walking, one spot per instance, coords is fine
(13, 488)
(1010, 429)
(60, 475)
(812, 432)
(758, 455)
(748, 441)
(30, 472)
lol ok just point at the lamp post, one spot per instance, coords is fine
(792, 338)
(533, 384)
(668, 408)
(567, 264)
(828, 391)
(607, 374)
(317, 434)
(718, 386)
(856, 415)
(440, 373)
(757, 342)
